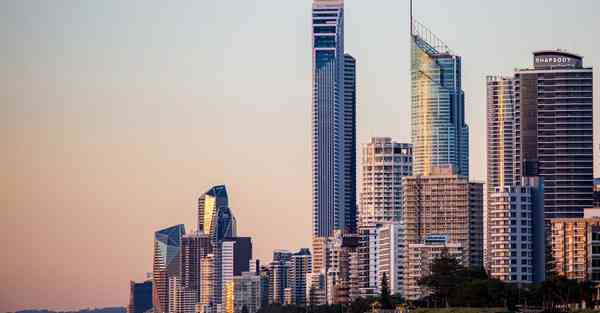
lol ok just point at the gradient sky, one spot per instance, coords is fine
(115, 115)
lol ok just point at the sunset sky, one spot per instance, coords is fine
(115, 115)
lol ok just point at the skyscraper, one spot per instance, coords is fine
(167, 263)
(554, 130)
(500, 132)
(350, 206)
(516, 232)
(440, 135)
(194, 247)
(140, 297)
(384, 163)
(333, 123)
(300, 264)
(214, 215)
(500, 144)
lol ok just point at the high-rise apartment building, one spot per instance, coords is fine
(384, 163)
(554, 130)
(333, 122)
(231, 258)
(167, 264)
(278, 281)
(207, 266)
(445, 204)
(575, 244)
(516, 232)
(500, 142)
(439, 133)
(181, 299)
(350, 209)
(300, 264)
(389, 260)
(140, 297)
(420, 257)
(215, 218)
(246, 293)
(193, 248)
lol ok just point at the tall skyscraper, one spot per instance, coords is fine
(440, 135)
(384, 163)
(500, 132)
(167, 263)
(554, 130)
(445, 204)
(214, 215)
(350, 209)
(140, 297)
(333, 123)
(500, 144)
(194, 247)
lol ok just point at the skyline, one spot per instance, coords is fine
(100, 114)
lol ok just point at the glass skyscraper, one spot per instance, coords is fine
(554, 130)
(167, 263)
(214, 215)
(333, 123)
(439, 133)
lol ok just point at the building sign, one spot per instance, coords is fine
(555, 59)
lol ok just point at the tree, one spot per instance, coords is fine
(445, 277)
(387, 303)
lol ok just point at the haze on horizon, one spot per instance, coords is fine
(116, 115)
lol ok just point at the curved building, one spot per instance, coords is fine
(167, 255)
(439, 134)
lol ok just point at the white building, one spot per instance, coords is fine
(384, 163)
(181, 300)
(388, 256)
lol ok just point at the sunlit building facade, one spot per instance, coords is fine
(215, 218)
(445, 204)
(384, 163)
(575, 244)
(167, 264)
(439, 133)
(554, 130)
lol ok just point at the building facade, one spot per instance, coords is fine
(516, 228)
(193, 248)
(166, 264)
(140, 297)
(384, 163)
(554, 130)
(576, 248)
(597, 192)
(389, 259)
(246, 293)
(215, 218)
(333, 122)
(439, 133)
(445, 204)
(420, 257)
(300, 265)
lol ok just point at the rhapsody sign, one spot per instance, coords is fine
(555, 59)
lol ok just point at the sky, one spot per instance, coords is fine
(116, 115)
